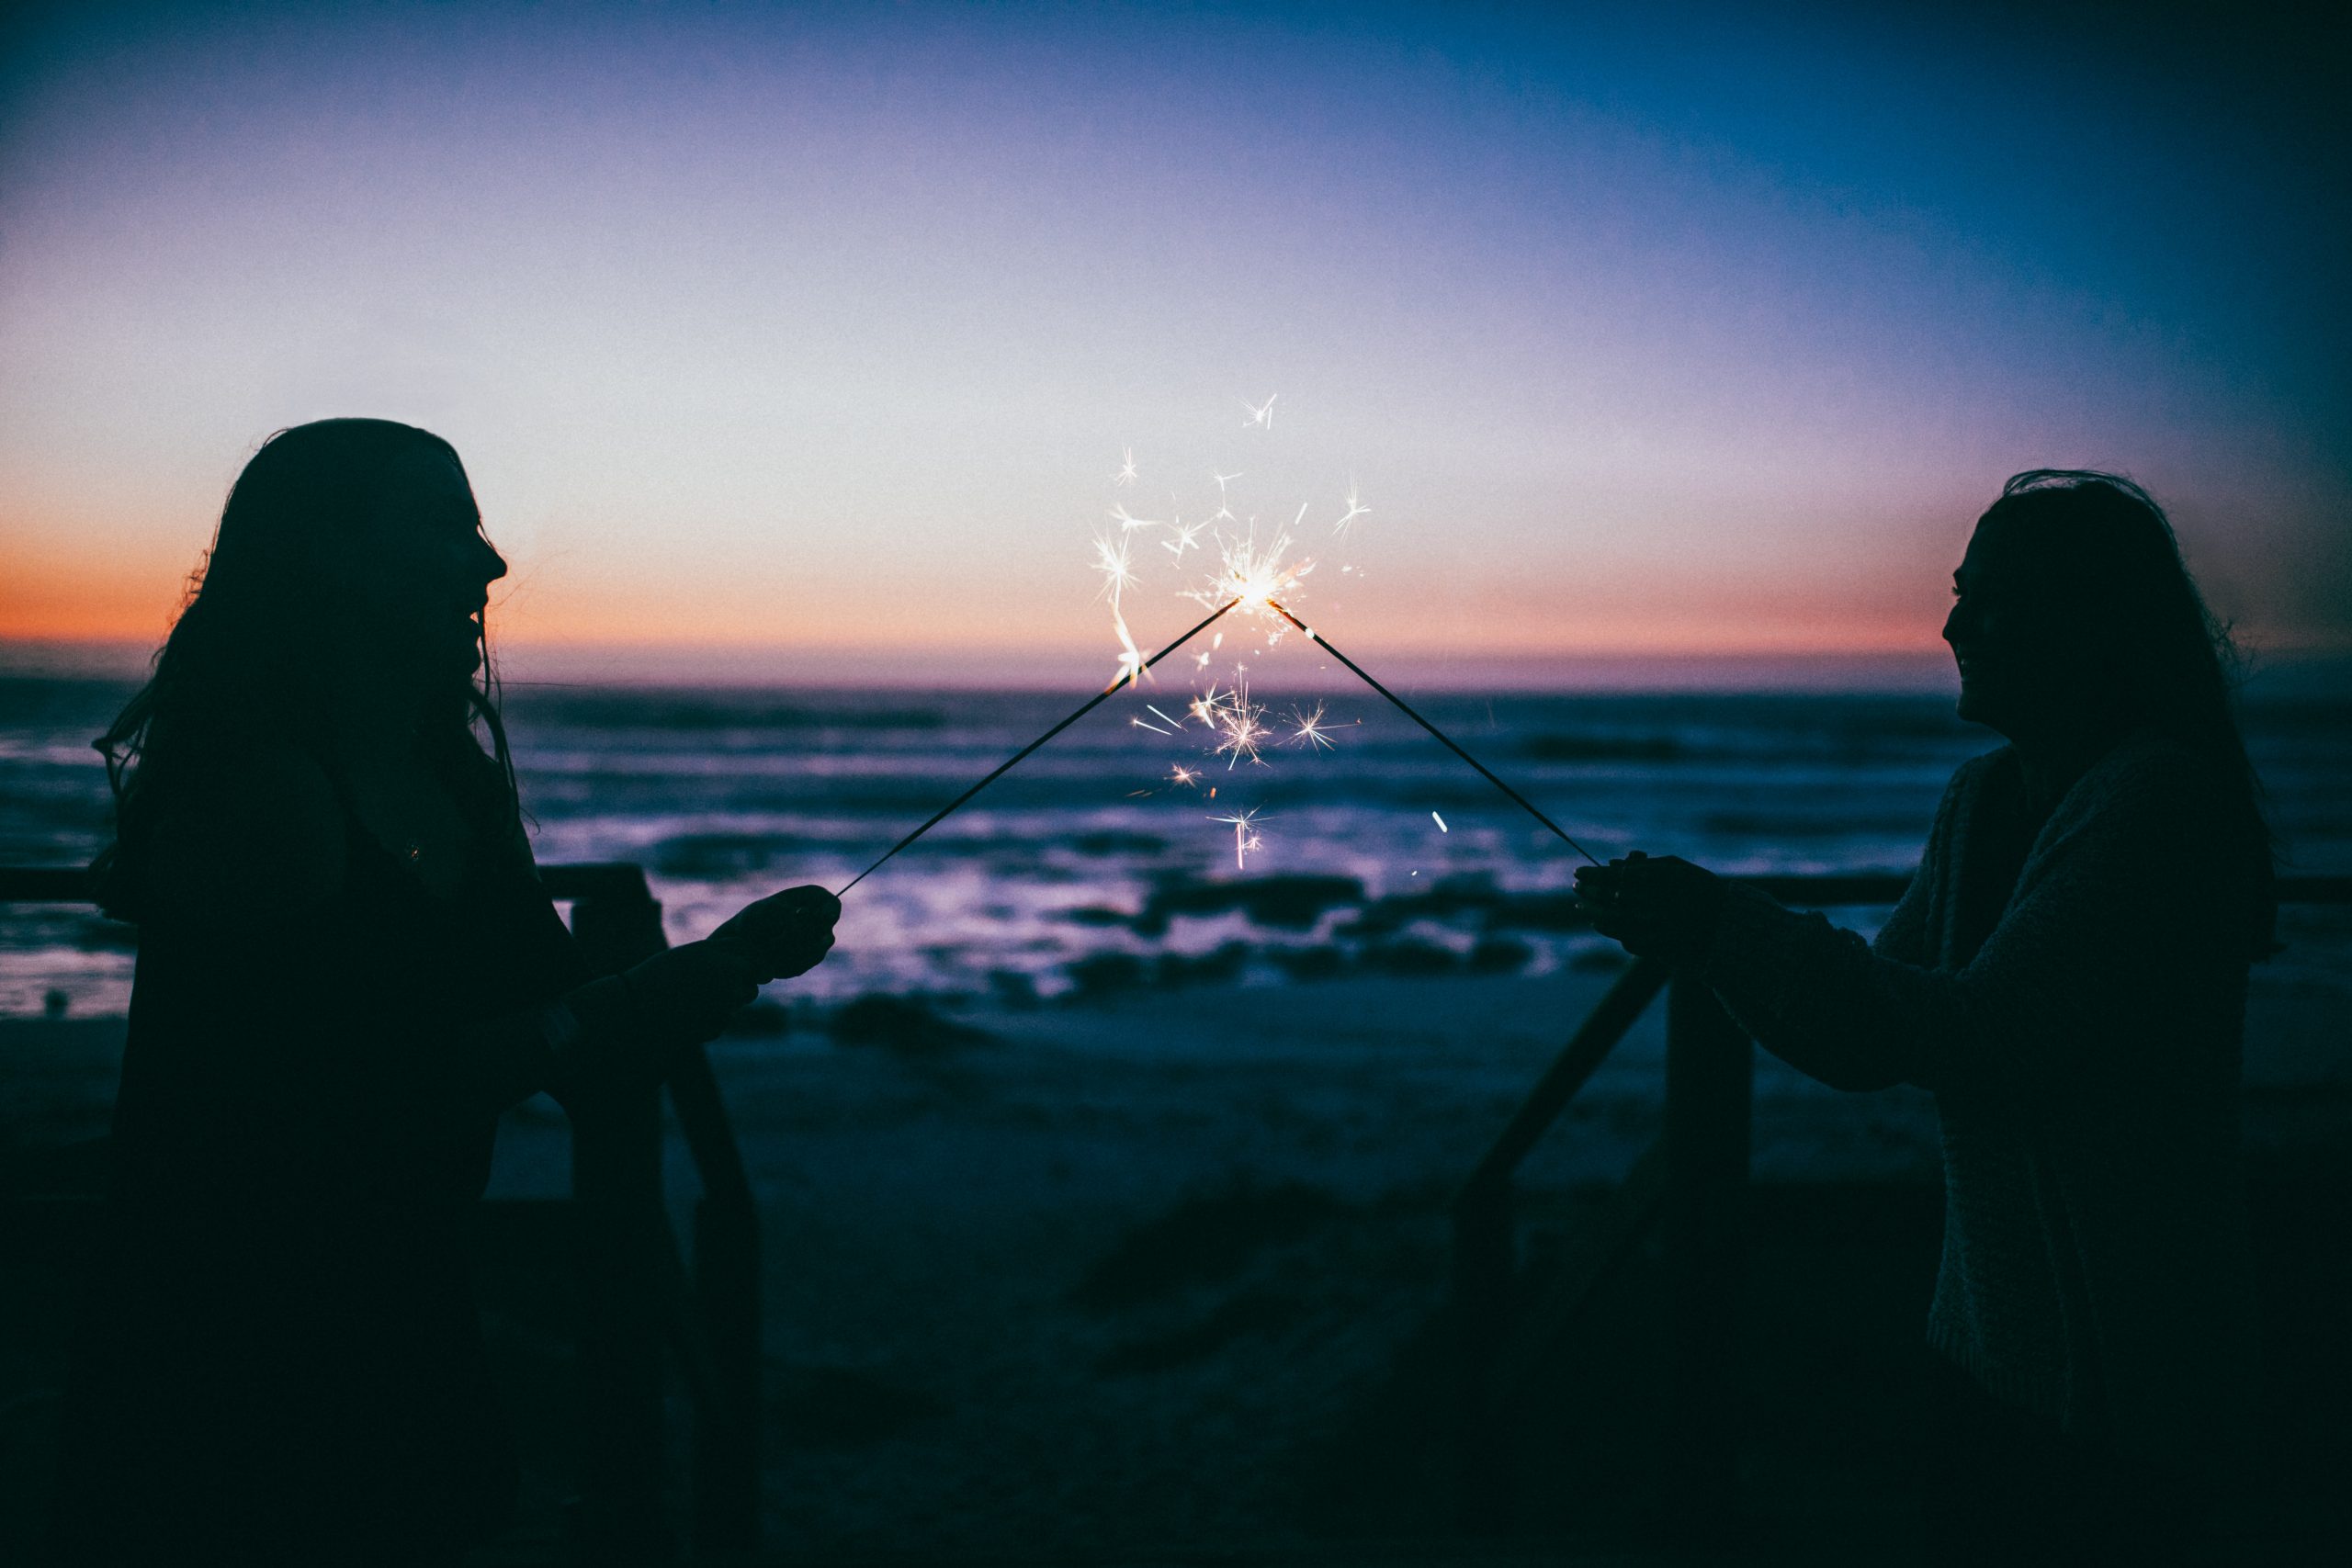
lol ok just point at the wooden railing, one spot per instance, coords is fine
(638, 1293)
(1691, 1182)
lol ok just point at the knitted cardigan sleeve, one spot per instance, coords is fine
(2115, 921)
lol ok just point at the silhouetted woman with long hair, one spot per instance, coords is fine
(2068, 973)
(347, 969)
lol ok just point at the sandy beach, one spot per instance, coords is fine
(1150, 1273)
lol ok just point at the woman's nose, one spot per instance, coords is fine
(493, 565)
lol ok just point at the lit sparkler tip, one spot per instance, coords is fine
(1188, 537)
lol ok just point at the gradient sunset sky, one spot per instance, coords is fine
(806, 341)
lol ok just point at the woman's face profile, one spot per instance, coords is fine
(2008, 634)
(426, 572)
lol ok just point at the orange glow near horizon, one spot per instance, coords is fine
(89, 601)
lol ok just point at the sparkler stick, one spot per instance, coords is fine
(1406, 709)
(1124, 677)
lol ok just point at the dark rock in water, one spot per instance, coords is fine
(711, 856)
(98, 935)
(1602, 748)
(1410, 955)
(900, 1023)
(1118, 843)
(1107, 972)
(1324, 960)
(1288, 903)
(1538, 911)
(842, 1407)
(1501, 955)
(1205, 1239)
(1226, 962)
(1013, 987)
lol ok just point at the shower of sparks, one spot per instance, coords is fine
(1311, 732)
(1441, 823)
(1114, 557)
(1126, 474)
(1245, 836)
(1262, 417)
(1252, 575)
(1356, 508)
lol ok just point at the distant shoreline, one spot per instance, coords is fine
(2294, 673)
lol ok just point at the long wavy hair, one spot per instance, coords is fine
(2159, 655)
(252, 655)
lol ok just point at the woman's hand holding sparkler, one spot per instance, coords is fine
(1657, 908)
(627, 1028)
(785, 934)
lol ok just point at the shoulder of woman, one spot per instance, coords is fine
(262, 831)
(1991, 769)
(2152, 767)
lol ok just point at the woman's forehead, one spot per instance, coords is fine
(428, 475)
(1997, 545)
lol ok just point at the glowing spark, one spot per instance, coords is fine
(1311, 732)
(1245, 836)
(1355, 508)
(1262, 417)
(1242, 723)
(1188, 537)
(1441, 823)
(1206, 707)
(1223, 512)
(1181, 774)
(1126, 474)
(1114, 558)
(1133, 667)
(1128, 522)
(1177, 722)
(1144, 724)
(1201, 660)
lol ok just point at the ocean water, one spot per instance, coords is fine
(1095, 866)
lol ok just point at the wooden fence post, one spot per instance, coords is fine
(727, 1426)
(617, 1183)
(1709, 1088)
